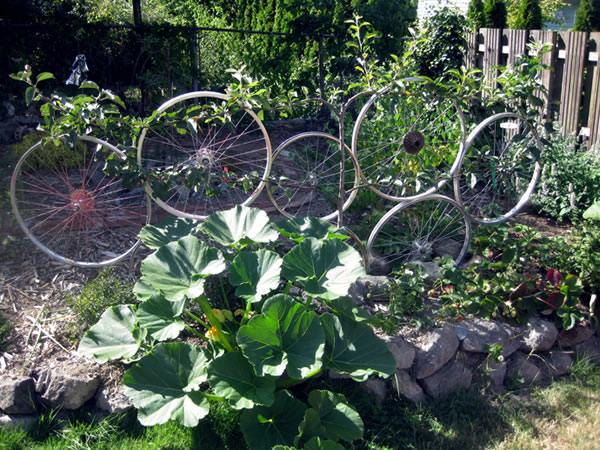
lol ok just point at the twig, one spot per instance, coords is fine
(48, 335)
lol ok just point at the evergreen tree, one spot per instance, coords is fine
(588, 16)
(475, 12)
(529, 16)
(494, 13)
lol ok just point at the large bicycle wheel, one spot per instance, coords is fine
(205, 153)
(305, 176)
(407, 141)
(69, 205)
(419, 230)
(499, 168)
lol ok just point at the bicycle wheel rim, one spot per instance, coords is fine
(71, 209)
(499, 168)
(305, 176)
(204, 154)
(408, 141)
(419, 230)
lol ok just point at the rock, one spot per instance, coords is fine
(575, 336)
(559, 362)
(433, 350)
(590, 349)
(18, 396)
(433, 269)
(368, 289)
(404, 353)
(520, 365)
(539, 335)
(475, 260)
(404, 385)
(112, 401)
(375, 386)
(496, 371)
(23, 421)
(57, 387)
(483, 334)
(448, 379)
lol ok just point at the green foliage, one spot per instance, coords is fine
(588, 16)
(105, 291)
(548, 9)
(475, 13)
(255, 353)
(529, 16)
(5, 328)
(570, 179)
(440, 44)
(69, 156)
(582, 253)
(494, 13)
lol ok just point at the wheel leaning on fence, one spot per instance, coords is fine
(70, 207)
(419, 230)
(204, 153)
(408, 140)
(498, 169)
(305, 176)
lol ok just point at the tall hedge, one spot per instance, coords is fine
(588, 16)
(475, 13)
(494, 14)
(529, 16)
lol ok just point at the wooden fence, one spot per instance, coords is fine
(573, 82)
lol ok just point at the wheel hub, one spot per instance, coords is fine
(413, 142)
(82, 201)
(422, 249)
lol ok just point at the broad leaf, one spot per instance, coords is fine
(285, 335)
(164, 385)
(169, 230)
(354, 349)
(317, 443)
(325, 269)
(256, 274)
(231, 376)
(593, 212)
(309, 227)
(330, 416)
(44, 76)
(345, 307)
(267, 426)
(179, 269)
(113, 336)
(239, 226)
(161, 317)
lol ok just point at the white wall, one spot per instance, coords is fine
(426, 8)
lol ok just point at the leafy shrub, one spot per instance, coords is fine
(587, 17)
(475, 13)
(72, 156)
(529, 16)
(440, 44)
(253, 355)
(104, 291)
(494, 14)
(582, 253)
(570, 179)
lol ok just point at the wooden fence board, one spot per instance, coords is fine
(516, 45)
(492, 48)
(470, 59)
(593, 121)
(572, 82)
(549, 58)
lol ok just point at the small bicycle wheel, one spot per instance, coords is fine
(419, 230)
(204, 153)
(69, 205)
(499, 168)
(305, 176)
(407, 141)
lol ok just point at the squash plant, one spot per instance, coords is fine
(253, 355)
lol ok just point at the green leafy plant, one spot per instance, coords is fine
(105, 291)
(529, 16)
(253, 355)
(5, 328)
(494, 13)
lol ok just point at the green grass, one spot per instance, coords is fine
(563, 415)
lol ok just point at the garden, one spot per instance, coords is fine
(407, 262)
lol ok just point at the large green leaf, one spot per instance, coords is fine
(317, 443)
(114, 336)
(300, 228)
(354, 349)
(593, 212)
(161, 317)
(169, 230)
(179, 269)
(330, 416)
(324, 269)
(239, 226)
(164, 385)
(256, 274)
(267, 426)
(285, 335)
(231, 376)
